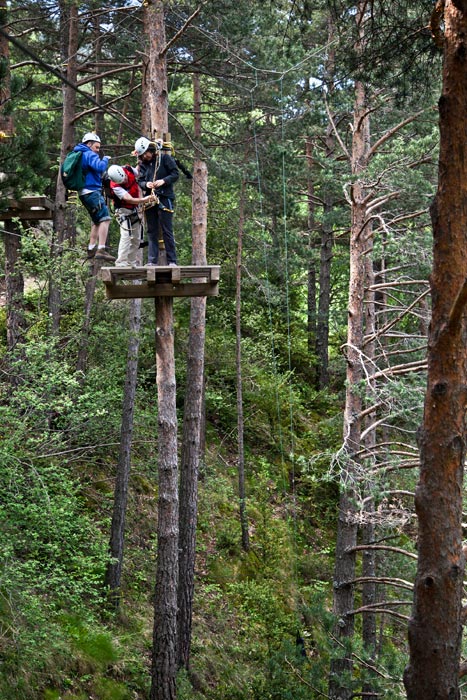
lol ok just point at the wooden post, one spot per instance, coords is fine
(164, 662)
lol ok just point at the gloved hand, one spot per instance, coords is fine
(143, 244)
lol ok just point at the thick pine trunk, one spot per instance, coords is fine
(435, 628)
(157, 69)
(344, 571)
(193, 409)
(164, 661)
(368, 530)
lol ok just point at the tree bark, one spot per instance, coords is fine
(327, 240)
(368, 530)
(164, 661)
(194, 406)
(159, 99)
(82, 358)
(344, 572)
(240, 426)
(14, 286)
(311, 286)
(117, 533)
(435, 627)
(64, 214)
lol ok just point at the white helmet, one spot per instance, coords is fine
(142, 145)
(90, 136)
(116, 174)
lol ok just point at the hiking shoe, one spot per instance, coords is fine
(173, 265)
(102, 254)
(91, 252)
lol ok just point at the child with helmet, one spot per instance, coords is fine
(127, 196)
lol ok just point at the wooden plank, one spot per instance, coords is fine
(28, 202)
(106, 274)
(29, 209)
(146, 291)
(160, 280)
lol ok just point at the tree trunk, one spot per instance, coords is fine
(90, 288)
(64, 214)
(346, 528)
(164, 661)
(117, 532)
(435, 628)
(159, 102)
(311, 287)
(327, 239)
(14, 286)
(368, 529)
(193, 409)
(6, 121)
(238, 326)
(99, 114)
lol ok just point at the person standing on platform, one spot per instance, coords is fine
(157, 174)
(91, 195)
(126, 195)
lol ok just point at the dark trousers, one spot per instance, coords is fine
(156, 217)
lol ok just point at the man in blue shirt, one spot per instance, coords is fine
(91, 195)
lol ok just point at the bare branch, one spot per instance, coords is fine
(331, 119)
(387, 548)
(393, 131)
(397, 582)
(180, 32)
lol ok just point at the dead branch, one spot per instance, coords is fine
(393, 131)
(180, 31)
(395, 283)
(381, 331)
(334, 128)
(396, 582)
(383, 611)
(387, 548)
(417, 366)
(302, 680)
(105, 74)
(107, 104)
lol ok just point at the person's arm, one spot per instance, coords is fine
(142, 176)
(128, 199)
(125, 197)
(98, 164)
(171, 169)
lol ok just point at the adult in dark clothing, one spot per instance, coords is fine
(160, 181)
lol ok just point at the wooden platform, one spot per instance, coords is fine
(161, 281)
(28, 209)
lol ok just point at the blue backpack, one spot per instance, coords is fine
(72, 172)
